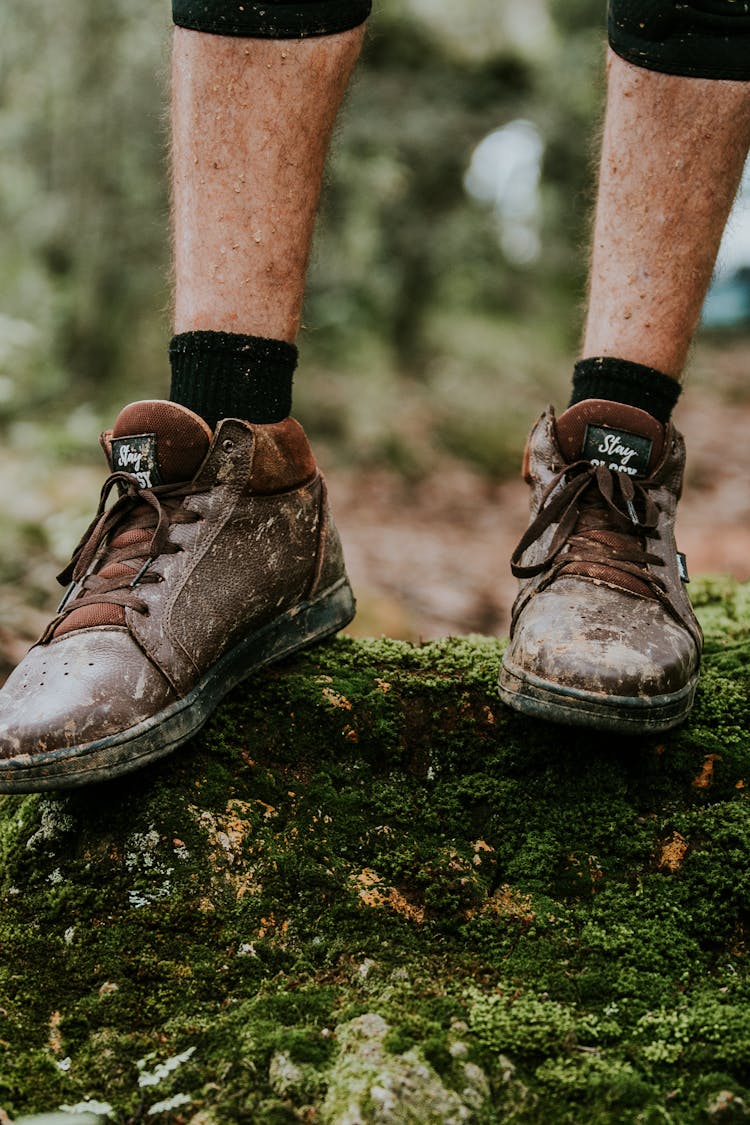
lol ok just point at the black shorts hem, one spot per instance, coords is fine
(270, 20)
(691, 38)
(684, 67)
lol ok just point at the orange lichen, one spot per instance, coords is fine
(269, 924)
(673, 852)
(480, 846)
(336, 699)
(374, 893)
(507, 902)
(55, 1038)
(706, 775)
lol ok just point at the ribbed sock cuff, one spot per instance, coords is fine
(228, 375)
(633, 384)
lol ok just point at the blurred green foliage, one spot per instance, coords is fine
(420, 336)
(83, 207)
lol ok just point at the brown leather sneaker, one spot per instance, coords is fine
(217, 556)
(603, 634)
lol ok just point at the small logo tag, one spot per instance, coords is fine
(618, 450)
(136, 454)
(682, 569)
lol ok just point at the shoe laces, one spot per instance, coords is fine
(136, 531)
(604, 519)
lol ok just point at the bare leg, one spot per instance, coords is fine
(252, 121)
(672, 157)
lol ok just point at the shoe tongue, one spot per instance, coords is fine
(159, 442)
(621, 437)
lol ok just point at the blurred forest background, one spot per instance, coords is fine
(444, 298)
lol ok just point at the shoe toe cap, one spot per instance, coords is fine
(590, 637)
(79, 688)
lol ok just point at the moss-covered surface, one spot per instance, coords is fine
(368, 893)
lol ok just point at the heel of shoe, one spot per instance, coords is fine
(331, 610)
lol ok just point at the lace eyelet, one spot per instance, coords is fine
(227, 445)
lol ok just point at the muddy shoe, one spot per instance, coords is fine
(603, 634)
(216, 556)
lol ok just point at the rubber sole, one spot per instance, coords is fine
(164, 732)
(542, 699)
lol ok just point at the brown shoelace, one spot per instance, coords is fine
(603, 520)
(137, 527)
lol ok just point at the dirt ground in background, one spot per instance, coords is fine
(432, 558)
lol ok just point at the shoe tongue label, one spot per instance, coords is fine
(136, 454)
(617, 449)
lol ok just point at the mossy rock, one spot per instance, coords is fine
(370, 894)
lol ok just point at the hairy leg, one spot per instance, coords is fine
(252, 120)
(672, 157)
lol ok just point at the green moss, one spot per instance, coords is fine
(367, 883)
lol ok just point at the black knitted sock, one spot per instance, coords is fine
(228, 375)
(619, 380)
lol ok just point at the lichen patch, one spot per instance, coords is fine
(336, 699)
(54, 1041)
(673, 852)
(706, 775)
(377, 895)
(508, 902)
